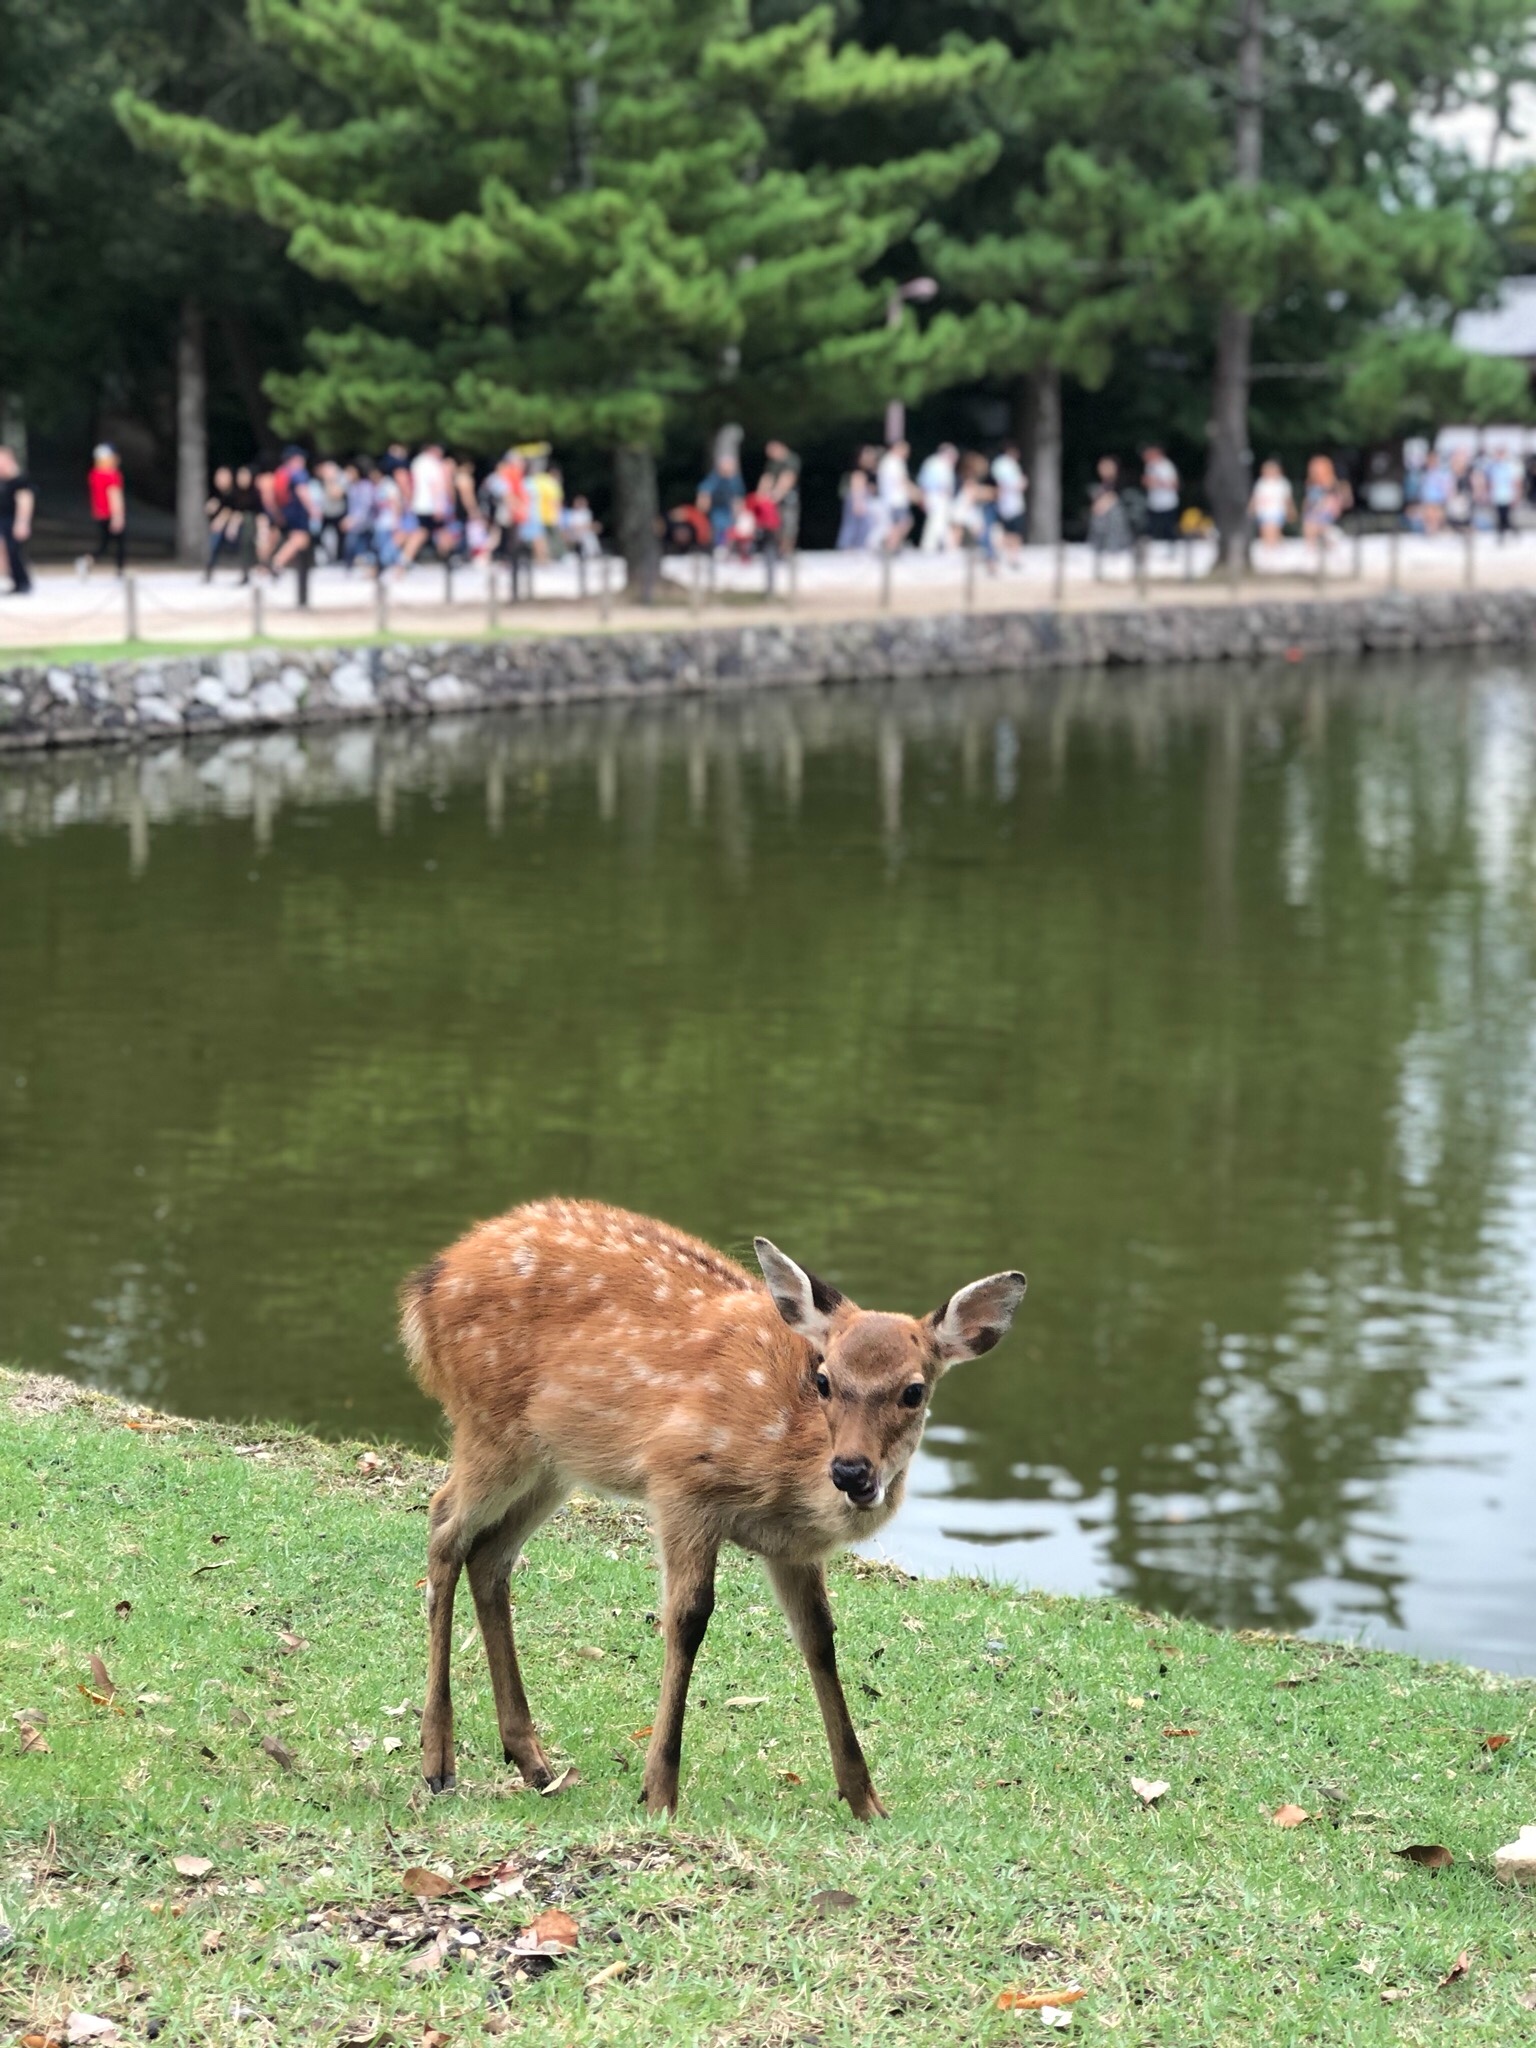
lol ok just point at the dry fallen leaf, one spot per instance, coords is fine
(1496, 1742)
(427, 1884)
(88, 2026)
(212, 1941)
(288, 1644)
(1457, 1971)
(429, 1958)
(640, 1734)
(790, 1777)
(99, 1675)
(821, 1905)
(1014, 2000)
(1149, 1791)
(1430, 1854)
(591, 1652)
(123, 1967)
(33, 1740)
(618, 1969)
(279, 1752)
(567, 1778)
(434, 2037)
(1181, 1731)
(123, 1609)
(1390, 1996)
(192, 1866)
(391, 1743)
(747, 1699)
(491, 1874)
(41, 2040)
(370, 1464)
(1290, 1816)
(553, 1933)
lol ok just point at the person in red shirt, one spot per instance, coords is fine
(109, 509)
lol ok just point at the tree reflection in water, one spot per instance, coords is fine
(1204, 995)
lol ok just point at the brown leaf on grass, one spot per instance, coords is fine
(123, 1967)
(488, 1874)
(789, 1777)
(434, 2037)
(429, 1958)
(100, 1699)
(1459, 1969)
(1181, 1731)
(640, 1734)
(562, 1783)
(212, 1941)
(1496, 1742)
(1012, 1999)
(1290, 1684)
(218, 1539)
(370, 1464)
(192, 1866)
(1527, 1999)
(614, 1970)
(1290, 1816)
(88, 2026)
(427, 1884)
(1391, 1995)
(822, 1905)
(100, 1677)
(288, 1644)
(41, 2040)
(1430, 1854)
(552, 1933)
(390, 1744)
(1149, 1790)
(279, 1752)
(123, 1609)
(33, 1740)
(221, 1564)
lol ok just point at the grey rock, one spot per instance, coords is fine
(235, 673)
(447, 693)
(274, 700)
(352, 686)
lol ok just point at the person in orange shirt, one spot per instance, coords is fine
(109, 509)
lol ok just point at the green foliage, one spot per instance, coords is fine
(584, 222)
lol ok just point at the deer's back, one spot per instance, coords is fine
(620, 1343)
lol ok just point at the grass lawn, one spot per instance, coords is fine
(254, 1597)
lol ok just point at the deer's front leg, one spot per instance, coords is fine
(689, 1565)
(801, 1590)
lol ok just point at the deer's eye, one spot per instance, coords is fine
(823, 1386)
(912, 1397)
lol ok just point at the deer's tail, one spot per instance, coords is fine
(416, 1319)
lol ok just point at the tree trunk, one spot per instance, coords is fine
(636, 513)
(1042, 454)
(191, 435)
(13, 425)
(1229, 460)
(258, 408)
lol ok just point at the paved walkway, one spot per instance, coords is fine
(173, 606)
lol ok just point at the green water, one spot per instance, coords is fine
(1205, 997)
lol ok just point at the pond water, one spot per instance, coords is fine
(1206, 997)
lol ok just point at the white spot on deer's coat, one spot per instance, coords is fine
(754, 1378)
(663, 1292)
(595, 1284)
(774, 1430)
(524, 1260)
(719, 1439)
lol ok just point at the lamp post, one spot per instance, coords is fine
(916, 291)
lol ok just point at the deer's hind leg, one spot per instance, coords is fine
(490, 1561)
(463, 1514)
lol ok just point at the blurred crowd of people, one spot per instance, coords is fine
(389, 512)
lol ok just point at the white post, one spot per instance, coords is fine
(131, 606)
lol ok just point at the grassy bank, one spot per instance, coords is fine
(253, 1596)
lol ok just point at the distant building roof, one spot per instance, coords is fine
(1505, 329)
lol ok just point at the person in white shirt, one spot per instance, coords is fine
(936, 488)
(1012, 487)
(1160, 482)
(431, 489)
(893, 487)
(1506, 480)
(1272, 506)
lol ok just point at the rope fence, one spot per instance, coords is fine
(175, 608)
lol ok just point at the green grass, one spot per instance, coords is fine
(1003, 1731)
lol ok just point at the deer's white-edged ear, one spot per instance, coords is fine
(805, 1303)
(976, 1318)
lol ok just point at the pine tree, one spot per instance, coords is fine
(1343, 235)
(579, 219)
(1203, 168)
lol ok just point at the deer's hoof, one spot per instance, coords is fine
(447, 1783)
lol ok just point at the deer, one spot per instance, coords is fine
(574, 1344)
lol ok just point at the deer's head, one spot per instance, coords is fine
(874, 1373)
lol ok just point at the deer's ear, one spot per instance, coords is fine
(805, 1303)
(976, 1318)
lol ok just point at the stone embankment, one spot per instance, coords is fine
(82, 702)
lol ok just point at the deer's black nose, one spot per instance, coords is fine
(855, 1477)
